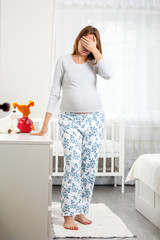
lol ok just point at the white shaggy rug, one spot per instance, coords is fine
(105, 224)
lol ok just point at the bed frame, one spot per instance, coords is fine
(147, 202)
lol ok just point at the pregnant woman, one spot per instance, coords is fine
(81, 121)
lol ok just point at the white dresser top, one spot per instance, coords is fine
(24, 138)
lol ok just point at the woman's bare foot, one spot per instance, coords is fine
(82, 219)
(69, 223)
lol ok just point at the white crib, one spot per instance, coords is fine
(111, 156)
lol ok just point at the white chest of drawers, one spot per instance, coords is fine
(25, 187)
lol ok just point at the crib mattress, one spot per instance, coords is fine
(146, 168)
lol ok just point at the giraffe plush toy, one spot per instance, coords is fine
(25, 124)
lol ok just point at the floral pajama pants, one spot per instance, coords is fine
(81, 136)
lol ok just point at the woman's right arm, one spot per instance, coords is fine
(45, 125)
(54, 95)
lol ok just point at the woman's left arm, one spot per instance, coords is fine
(103, 67)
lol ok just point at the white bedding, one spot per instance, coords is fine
(146, 168)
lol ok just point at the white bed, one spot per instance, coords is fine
(146, 173)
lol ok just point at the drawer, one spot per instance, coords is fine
(50, 191)
(50, 160)
(49, 224)
(146, 193)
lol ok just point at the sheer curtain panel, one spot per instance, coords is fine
(130, 37)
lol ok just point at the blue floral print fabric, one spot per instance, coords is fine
(81, 136)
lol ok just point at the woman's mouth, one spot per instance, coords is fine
(85, 50)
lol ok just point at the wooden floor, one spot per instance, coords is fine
(124, 206)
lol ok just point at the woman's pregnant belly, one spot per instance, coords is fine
(81, 100)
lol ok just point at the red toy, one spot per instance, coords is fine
(25, 124)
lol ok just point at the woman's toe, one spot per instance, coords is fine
(88, 222)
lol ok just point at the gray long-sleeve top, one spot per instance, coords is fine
(78, 82)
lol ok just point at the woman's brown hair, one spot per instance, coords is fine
(85, 31)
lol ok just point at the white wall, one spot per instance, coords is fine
(26, 53)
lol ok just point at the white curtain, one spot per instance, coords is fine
(147, 4)
(130, 37)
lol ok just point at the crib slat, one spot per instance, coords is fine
(64, 163)
(56, 147)
(104, 157)
(57, 143)
(49, 129)
(112, 138)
